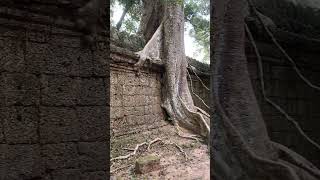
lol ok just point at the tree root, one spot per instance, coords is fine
(117, 169)
(130, 154)
(203, 112)
(154, 141)
(194, 72)
(181, 150)
(274, 40)
(192, 137)
(136, 149)
(191, 85)
(202, 122)
(276, 106)
(296, 159)
(247, 161)
(151, 49)
(175, 144)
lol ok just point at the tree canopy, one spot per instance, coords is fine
(196, 13)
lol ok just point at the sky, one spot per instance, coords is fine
(191, 48)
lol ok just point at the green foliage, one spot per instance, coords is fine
(131, 22)
(196, 13)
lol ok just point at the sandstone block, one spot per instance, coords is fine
(93, 123)
(98, 175)
(93, 156)
(60, 156)
(59, 91)
(58, 124)
(20, 124)
(66, 174)
(91, 91)
(147, 164)
(62, 60)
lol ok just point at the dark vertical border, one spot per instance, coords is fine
(211, 89)
(107, 20)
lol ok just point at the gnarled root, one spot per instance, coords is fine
(130, 154)
(148, 149)
(151, 50)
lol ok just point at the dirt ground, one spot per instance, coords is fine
(174, 165)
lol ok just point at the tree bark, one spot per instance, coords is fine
(240, 137)
(167, 44)
(152, 15)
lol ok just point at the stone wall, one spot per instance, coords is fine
(53, 104)
(285, 88)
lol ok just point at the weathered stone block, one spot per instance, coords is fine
(122, 78)
(66, 174)
(59, 91)
(113, 78)
(93, 123)
(130, 90)
(91, 91)
(101, 58)
(21, 89)
(3, 163)
(117, 100)
(117, 112)
(143, 90)
(2, 140)
(147, 164)
(60, 156)
(58, 124)
(62, 41)
(266, 108)
(134, 120)
(93, 156)
(148, 118)
(139, 110)
(21, 161)
(144, 80)
(156, 91)
(11, 55)
(131, 79)
(156, 108)
(116, 89)
(20, 124)
(9, 32)
(35, 58)
(99, 175)
(141, 100)
(40, 37)
(3, 98)
(130, 101)
(62, 60)
(85, 59)
(148, 91)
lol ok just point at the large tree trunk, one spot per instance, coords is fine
(167, 44)
(177, 99)
(152, 15)
(240, 138)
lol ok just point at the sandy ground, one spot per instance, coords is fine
(174, 165)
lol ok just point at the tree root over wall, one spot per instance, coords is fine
(167, 44)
